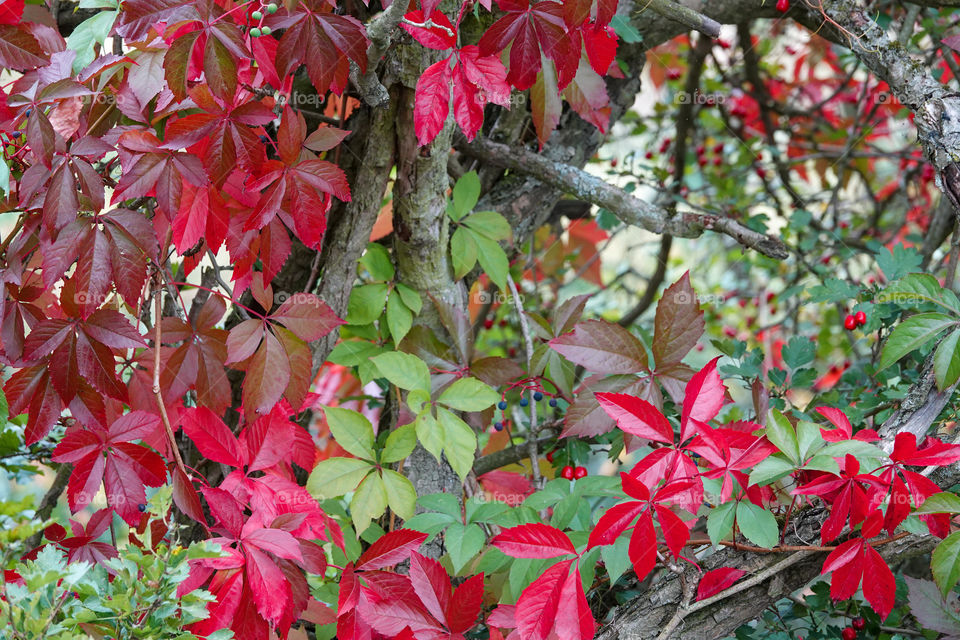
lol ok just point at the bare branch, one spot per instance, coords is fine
(625, 206)
(685, 16)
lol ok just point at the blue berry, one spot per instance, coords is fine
(553, 402)
(498, 426)
(28, 112)
(537, 396)
(524, 402)
(502, 405)
(141, 507)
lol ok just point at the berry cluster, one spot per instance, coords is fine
(854, 320)
(262, 30)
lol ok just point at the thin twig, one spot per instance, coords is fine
(528, 345)
(156, 380)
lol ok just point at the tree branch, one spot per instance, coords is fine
(685, 16)
(625, 206)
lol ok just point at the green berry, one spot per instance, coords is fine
(266, 31)
(272, 7)
(256, 15)
(255, 32)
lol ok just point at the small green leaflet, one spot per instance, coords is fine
(757, 524)
(403, 370)
(946, 361)
(945, 563)
(468, 394)
(466, 194)
(336, 476)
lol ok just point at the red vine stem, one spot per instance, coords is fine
(786, 547)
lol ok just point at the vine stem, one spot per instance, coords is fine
(158, 305)
(528, 345)
(785, 547)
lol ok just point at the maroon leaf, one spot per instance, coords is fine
(602, 347)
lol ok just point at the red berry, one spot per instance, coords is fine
(702, 161)
(699, 347)
(512, 352)
(717, 161)
(844, 225)
(848, 634)
(503, 323)
(718, 148)
(674, 74)
(550, 456)
(742, 302)
(567, 472)
(761, 173)
(723, 44)
(648, 155)
(488, 324)
(859, 624)
(730, 331)
(770, 296)
(783, 5)
(861, 318)
(850, 323)
(614, 162)
(580, 472)
(701, 150)
(773, 309)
